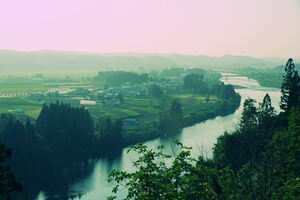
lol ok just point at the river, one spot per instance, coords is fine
(90, 178)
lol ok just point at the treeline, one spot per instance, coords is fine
(259, 160)
(267, 77)
(228, 103)
(61, 132)
(178, 72)
(264, 151)
(170, 122)
(173, 119)
(116, 78)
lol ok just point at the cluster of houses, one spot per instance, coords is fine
(107, 96)
(114, 95)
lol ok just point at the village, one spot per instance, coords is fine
(100, 100)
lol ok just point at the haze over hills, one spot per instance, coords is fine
(46, 60)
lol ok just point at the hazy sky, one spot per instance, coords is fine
(212, 27)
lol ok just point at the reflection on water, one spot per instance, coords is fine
(88, 180)
(41, 196)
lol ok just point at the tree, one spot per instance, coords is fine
(290, 87)
(176, 113)
(66, 129)
(266, 106)
(116, 78)
(266, 112)
(286, 146)
(111, 135)
(223, 91)
(195, 82)
(172, 121)
(117, 133)
(15, 139)
(8, 183)
(185, 178)
(165, 123)
(156, 91)
(228, 91)
(249, 117)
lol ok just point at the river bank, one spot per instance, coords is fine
(88, 179)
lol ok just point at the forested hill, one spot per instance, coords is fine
(11, 61)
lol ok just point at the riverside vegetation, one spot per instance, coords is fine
(259, 160)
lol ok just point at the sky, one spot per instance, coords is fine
(259, 28)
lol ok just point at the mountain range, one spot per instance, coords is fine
(47, 60)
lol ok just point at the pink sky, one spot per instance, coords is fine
(212, 27)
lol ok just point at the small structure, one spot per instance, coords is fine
(88, 102)
(18, 110)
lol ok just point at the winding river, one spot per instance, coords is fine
(89, 178)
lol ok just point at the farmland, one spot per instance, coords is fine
(25, 96)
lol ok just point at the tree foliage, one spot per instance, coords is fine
(116, 78)
(161, 176)
(290, 88)
(195, 82)
(111, 134)
(65, 129)
(171, 121)
(8, 183)
(156, 91)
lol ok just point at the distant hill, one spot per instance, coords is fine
(39, 61)
(224, 62)
(280, 68)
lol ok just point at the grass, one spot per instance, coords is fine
(9, 105)
(53, 74)
(21, 85)
(22, 82)
(196, 97)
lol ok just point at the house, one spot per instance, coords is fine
(88, 102)
(18, 110)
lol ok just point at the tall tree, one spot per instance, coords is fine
(66, 129)
(266, 112)
(290, 87)
(172, 120)
(8, 183)
(111, 135)
(156, 91)
(249, 117)
(176, 114)
(195, 82)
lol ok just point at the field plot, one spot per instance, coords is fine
(20, 86)
(148, 109)
(18, 104)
